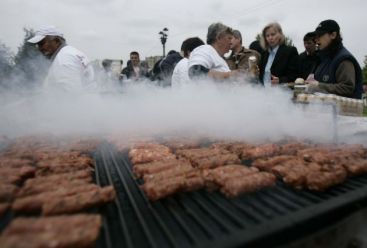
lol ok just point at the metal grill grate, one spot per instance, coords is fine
(201, 219)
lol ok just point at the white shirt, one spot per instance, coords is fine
(208, 57)
(136, 70)
(70, 71)
(181, 73)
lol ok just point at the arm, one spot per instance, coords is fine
(197, 71)
(345, 80)
(220, 75)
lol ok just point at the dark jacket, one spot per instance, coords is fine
(168, 64)
(326, 73)
(285, 64)
(163, 69)
(130, 73)
(307, 64)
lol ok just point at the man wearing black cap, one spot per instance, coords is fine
(239, 58)
(338, 72)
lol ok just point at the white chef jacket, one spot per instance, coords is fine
(181, 73)
(208, 57)
(70, 71)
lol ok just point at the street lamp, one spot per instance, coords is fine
(163, 38)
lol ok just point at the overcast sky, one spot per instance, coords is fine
(113, 28)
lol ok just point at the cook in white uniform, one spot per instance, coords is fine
(181, 72)
(207, 60)
(70, 69)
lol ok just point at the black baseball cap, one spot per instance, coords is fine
(327, 26)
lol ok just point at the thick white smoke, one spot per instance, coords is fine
(209, 109)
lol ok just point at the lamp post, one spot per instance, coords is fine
(163, 38)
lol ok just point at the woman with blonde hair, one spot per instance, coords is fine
(279, 62)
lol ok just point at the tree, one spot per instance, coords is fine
(288, 41)
(258, 37)
(6, 61)
(30, 66)
(364, 70)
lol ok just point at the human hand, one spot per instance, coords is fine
(274, 80)
(311, 85)
(238, 73)
(310, 77)
(254, 71)
(310, 81)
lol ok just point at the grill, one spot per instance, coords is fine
(201, 219)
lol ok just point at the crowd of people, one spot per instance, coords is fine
(326, 66)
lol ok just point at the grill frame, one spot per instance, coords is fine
(203, 219)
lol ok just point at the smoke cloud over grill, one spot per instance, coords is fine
(205, 109)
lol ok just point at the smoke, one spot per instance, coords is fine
(25, 75)
(216, 110)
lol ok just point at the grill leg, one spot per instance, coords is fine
(335, 123)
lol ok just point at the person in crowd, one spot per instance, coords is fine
(308, 60)
(163, 69)
(338, 71)
(70, 69)
(181, 71)
(135, 69)
(108, 79)
(107, 67)
(207, 60)
(155, 73)
(255, 45)
(279, 62)
(239, 57)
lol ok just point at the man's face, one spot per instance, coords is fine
(48, 46)
(310, 45)
(324, 40)
(224, 43)
(134, 59)
(236, 42)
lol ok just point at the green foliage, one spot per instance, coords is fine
(26, 50)
(288, 41)
(6, 60)
(30, 66)
(258, 37)
(364, 70)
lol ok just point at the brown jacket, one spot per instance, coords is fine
(240, 60)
